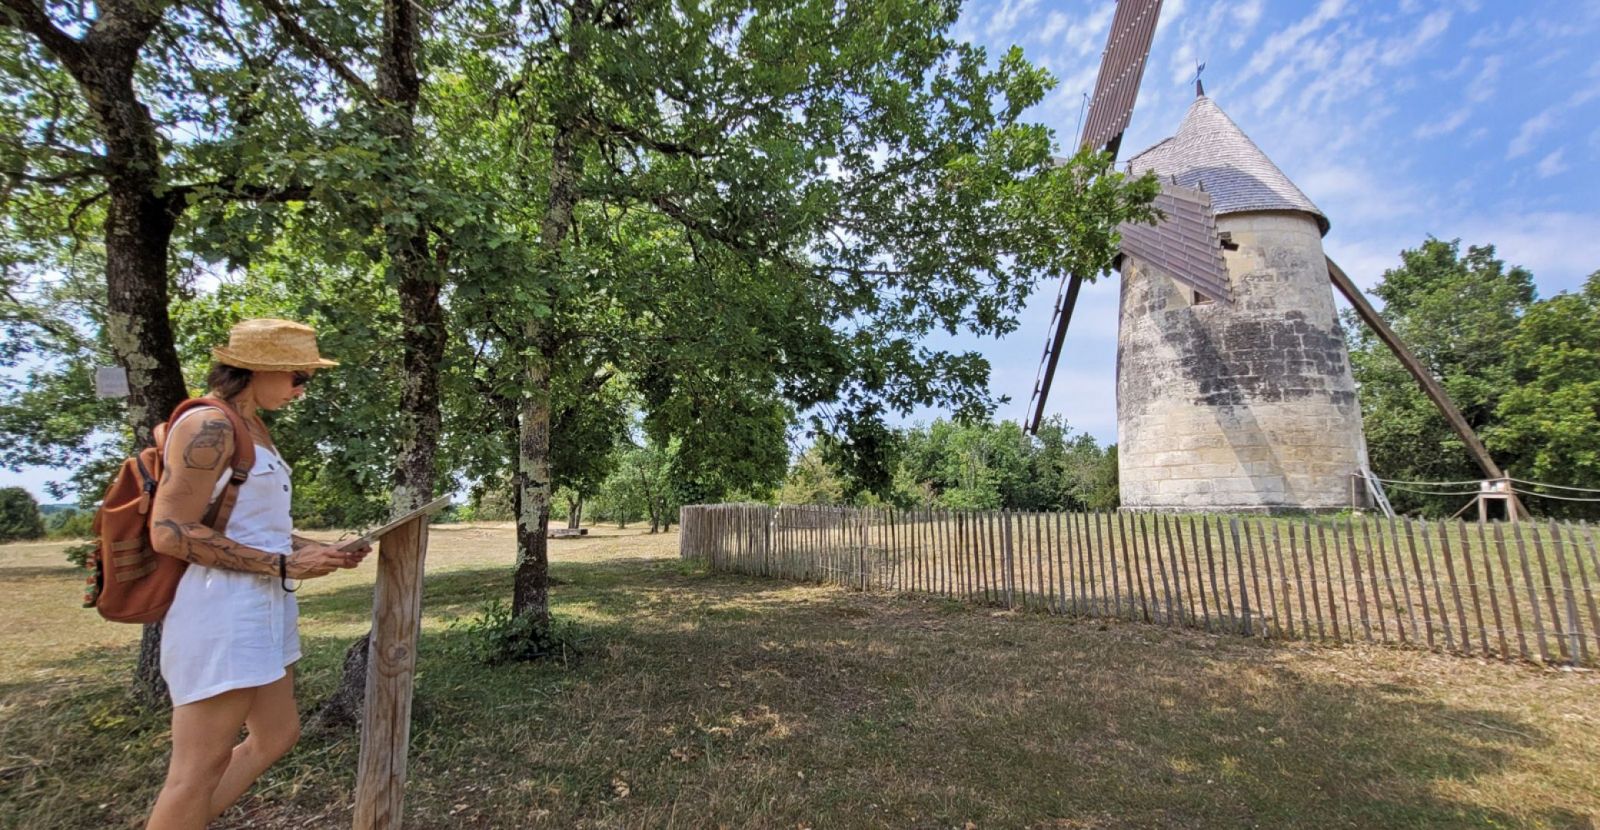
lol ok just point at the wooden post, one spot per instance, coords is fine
(391, 665)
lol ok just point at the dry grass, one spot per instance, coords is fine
(723, 701)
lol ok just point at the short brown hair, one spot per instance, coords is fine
(226, 382)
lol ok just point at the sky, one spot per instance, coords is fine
(1476, 120)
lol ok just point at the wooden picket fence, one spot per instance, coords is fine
(1510, 590)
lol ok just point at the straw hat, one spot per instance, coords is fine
(267, 345)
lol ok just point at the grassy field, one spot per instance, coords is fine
(710, 701)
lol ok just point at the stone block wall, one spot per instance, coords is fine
(1242, 407)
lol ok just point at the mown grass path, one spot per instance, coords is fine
(720, 701)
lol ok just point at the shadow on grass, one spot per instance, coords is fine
(708, 700)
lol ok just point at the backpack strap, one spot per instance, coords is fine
(244, 457)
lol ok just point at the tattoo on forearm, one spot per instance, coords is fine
(200, 545)
(299, 542)
(205, 449)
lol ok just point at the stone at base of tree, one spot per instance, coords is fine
(341, 710)
(568, 532)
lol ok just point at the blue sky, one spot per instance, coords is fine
(1462, 119)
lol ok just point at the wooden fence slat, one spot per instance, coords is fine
(1310, 557)
(1472, 587)
(1327, 574)
(1058, 546)
(1443, 530)
(1244, 591)
(1210, 563)
(1583, 577)
(1512, 602)
(1405, 583)
(1438, 592)
(1180, 555)
(1361, 589)
(1563, 647)
(1227, 580)
(1422, 585)
(1574, 622)
(1532, 589)
(1130, 562)
(1372, 578)
(1255, 579)
(1344, 581)
(1166, 565)
(1130, 542)
(1075, 581)
(1272, 590)
(1389, 579)
(1489, 588)
(1194, 546)
(1283, 573)
(1160, 612)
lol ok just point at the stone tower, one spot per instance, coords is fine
(1248, 406)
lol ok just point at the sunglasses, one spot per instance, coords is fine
(300, 379)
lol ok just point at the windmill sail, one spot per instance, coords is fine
(1133, 27)
(1184, 245)
(1121, 69)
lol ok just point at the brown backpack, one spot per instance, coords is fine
(129, 581)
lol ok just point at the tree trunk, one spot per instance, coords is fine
(422, 322)
(138, 230)
(574, 513)
(531, 583)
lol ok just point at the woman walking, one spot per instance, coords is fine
(231, 638)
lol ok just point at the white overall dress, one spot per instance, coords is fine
(230, 629)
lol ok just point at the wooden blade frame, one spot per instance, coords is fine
(1184, 245)
(1116, 88)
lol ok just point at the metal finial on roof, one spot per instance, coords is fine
(1199, 87)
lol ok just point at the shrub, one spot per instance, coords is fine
(19, 515)
(496, 636)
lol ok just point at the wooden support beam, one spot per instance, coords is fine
(392, 663)
(1057, 339)
(1430, 385)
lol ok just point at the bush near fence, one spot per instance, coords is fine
(1521, 590)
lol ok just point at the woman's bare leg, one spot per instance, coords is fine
(203, 733)
(273, 724)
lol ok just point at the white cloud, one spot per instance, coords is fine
(1443, 126)
(1402, 50)
(1286, 40)
(1559, 247)
(1486, 81)
(1552, 165)
(1531, 130)
(1009, 15)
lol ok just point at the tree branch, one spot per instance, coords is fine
(308, 41)
(230, 190)
(31, 18)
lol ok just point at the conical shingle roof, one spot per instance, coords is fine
(1212, 153)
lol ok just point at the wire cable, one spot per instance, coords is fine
(1548, 496)
(1553, 486)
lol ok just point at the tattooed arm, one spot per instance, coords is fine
(199, 451)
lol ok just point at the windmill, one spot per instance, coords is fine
(1234, 391)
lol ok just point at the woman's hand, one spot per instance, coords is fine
(314, 560)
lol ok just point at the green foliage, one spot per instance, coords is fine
(1549, 417)
(1522, 370)
(496, 636)
(972, 466)
(70, 524)
(19, 515)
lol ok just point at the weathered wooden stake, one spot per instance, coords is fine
(392, 663)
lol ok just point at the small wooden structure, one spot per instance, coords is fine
(391, 665)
